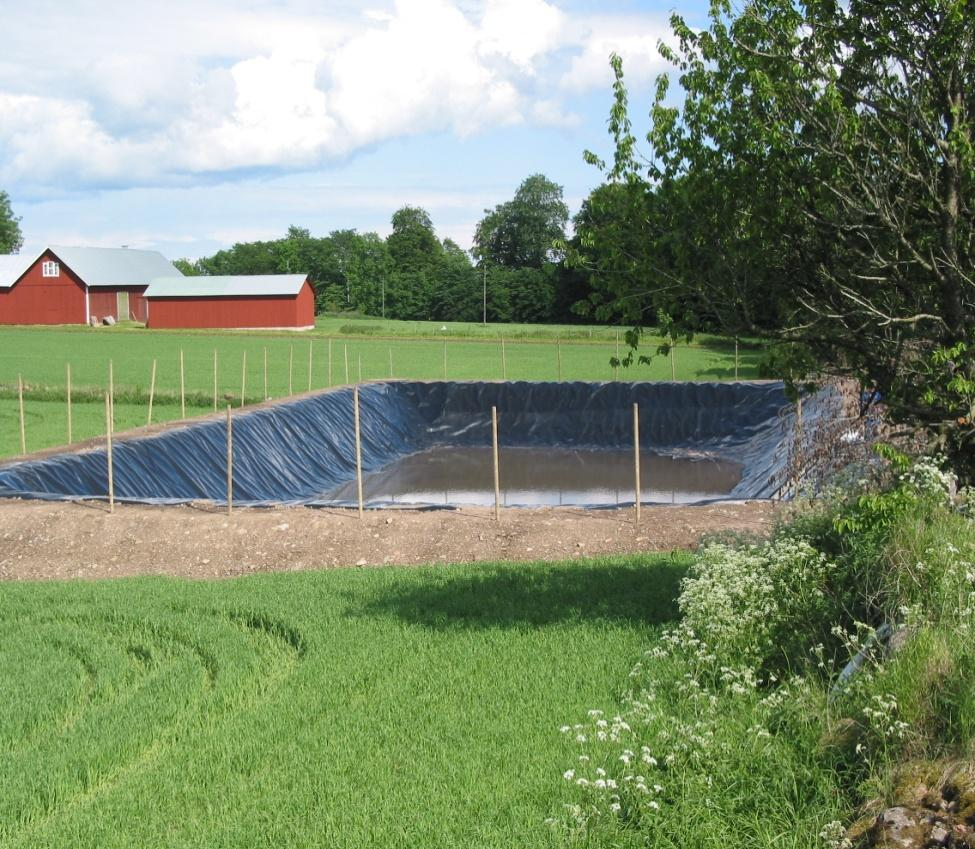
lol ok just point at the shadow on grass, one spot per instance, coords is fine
(511, 596)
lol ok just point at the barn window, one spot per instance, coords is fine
(51, 269)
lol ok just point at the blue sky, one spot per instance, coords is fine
(188, 125)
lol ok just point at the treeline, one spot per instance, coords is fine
(514, 272)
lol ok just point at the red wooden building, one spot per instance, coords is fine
(257, 301)
(65, 285)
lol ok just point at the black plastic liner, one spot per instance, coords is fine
(298, 451)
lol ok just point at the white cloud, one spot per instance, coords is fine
(419, 72)
(160, 94)
(549, 113)
(520, 30)
(634, 39)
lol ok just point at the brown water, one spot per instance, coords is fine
(543, 476)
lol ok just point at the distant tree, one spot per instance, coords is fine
(11, 239)
(458, 295)
(416, 256)
(523, 232)
(369, 268)
(413, 244)
(186, 267)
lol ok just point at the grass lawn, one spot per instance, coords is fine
(40, 356)
(387, 708)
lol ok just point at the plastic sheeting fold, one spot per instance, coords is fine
(299, 451)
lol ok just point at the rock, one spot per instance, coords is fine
(108, 321)
(899, 828)
(360, 562)
(940, 835)
(282, 527)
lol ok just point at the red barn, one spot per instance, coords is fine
(256, 301)
(65, 285)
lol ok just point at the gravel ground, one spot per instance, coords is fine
(53, 540)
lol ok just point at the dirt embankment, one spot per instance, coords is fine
(82, 540)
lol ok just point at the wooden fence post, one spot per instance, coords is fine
(182, 386)
(230, 461)
(111, 391)
(496, 463)
(243, 379)
(358, 448)
(108, 453)
(20, 397)
(152, 392)
(68, 396)
(636, 457)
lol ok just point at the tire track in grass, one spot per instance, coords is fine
(103, 740)
(100, 679)
(255, 675)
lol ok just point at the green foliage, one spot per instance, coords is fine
(348, 269)
(738, 727)
(11, 238)
(412, 276)
(523, 232)
(186, 268)
(948, 401)
(814, 181)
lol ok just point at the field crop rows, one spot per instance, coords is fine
(387, 708)
(41, 355)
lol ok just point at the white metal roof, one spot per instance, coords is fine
(101, 267)
(243, 285)
(13, 266)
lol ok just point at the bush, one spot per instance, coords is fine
(738, 727)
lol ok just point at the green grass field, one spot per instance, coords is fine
(41, 356)
(356, 708)
(358, 325)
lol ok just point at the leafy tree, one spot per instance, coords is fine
(369, 270)
(185, 267)
(413, 244)
(415, 255)
(459, 293)
(523, 232)
(517, 245)
(818, 179)
(11, 239)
